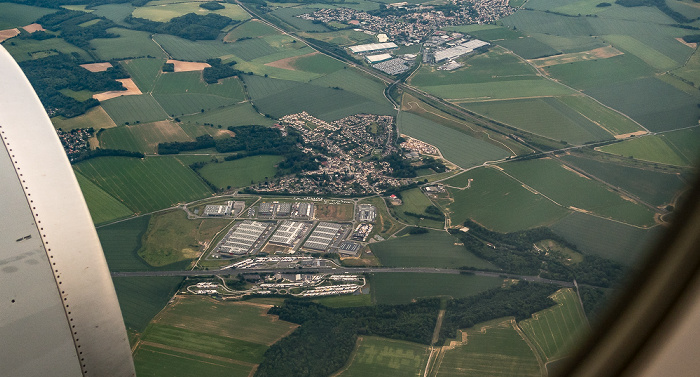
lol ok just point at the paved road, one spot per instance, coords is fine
(340, 270)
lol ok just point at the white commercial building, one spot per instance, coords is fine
(372, 59)
(457, 51)
(359, 49)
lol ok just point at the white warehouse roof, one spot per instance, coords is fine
(377, 58)
(464, 48)
(372, 47)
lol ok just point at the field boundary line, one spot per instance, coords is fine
(358, 342)
(533, 348)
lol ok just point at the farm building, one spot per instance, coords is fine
(288, 233)
(322, 237)
(366, 48)
(373, 59)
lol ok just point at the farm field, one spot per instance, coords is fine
(141, 298)
(249, 29)
(608, 239)
(685, 143)
(171, 237)
(242, 172)
(334, 212)
(236, 115)
(494, 200)
(457, 147)
(17, 15)
(597, 113)
(121, 242)
(143, 137)
(288, 16)
(569, 189)
(165, 12)
(401, 288)
(528, 47)
(415, 201)
(569, 44)
(144, 71)
(648, 148)
(486, 32)
(155, 361)
(114, 12)
(355, 82)
(96, 118)
(317, 63)
(27, 49)
(650, 56)
(345, 301)
(654, 187)
(130, 44)
(498, 90)
(131, 109)
(596, 73)
(555, 330)
(103, 208)
(144, 185)
(491, 350)
(434, 249)
(191, 82)
(548, 117)
(341, 37)
(184, 49)
(375, 356)
(658, 106)
(186, 103)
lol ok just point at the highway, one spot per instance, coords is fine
(341, 270)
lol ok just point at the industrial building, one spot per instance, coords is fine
(371, 47)
(362, 231)
(243, 238)
(373, 59)
(459, 50)
(303, 210)
(266, 209)
(322, 237)
(283, 209)
(288, 233)
(349, 248)
(366, 212)
(238, 207)
(218, 210)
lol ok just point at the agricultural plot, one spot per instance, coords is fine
(121, 242)
(131, 109)
(261, 87)
(499, 90)
(414, 201)
(166, 12)
(650, 56)
(288, 16)
(103, 208)
(186, 103)
(491, 350)
(528, 47)
(237, 115)
(345, 301)
(28, 49)
(570, 189)
(184, 49)
(355, 82)
(648, 148)
(655, 104)
(457, 147)
(376, 356)
(568, 45)
(654, 187)
(546, 117)
(317, 63)
(96, 118)
(143, 137)
(402, 288)
(433, 249)
(605, 238)
(17, 15)
(141, 298)
(241, 173)
(596, 73)
(191, 83)
(607, 118)
(144, 72)
(250, 49)
(250, 29)
(685, 143)
(498, 202)
(144, 185)
(486, 32)
(114, 12)
(555, 330)
(155, 361)
(342, 37)
(547, 23)
(130, 44)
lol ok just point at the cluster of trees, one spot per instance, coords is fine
(431, 163)
(51, 74)
(694, 38)
(86, 155)
(168, 67)
(211, 5)
(68, 23)
(217, 71)
(425, 216)
(416, 230)
(175, 147)
(190, 26)
(401, 167)
(514, 252)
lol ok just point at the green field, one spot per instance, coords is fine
(237, 115)
(144, 185)
(499, 90)
(242, 172)
(17, 15)
(457, 147)
(114, 12)
(601, 72)
(250, 29)
(191, 82)
(184, 49)
(288, 16)
(647, 54)
(345, 301)
(155, 361)
(355, 82)
(144, 72)
(570, 44)
(685, 143)
(186, 103)
(498, 202)
(317, 63)
(401, 288)
(416, 202)
(569, 189)
(165, 12)
(654, 187)
(556, 329)
(143, 137)
(380, 357)
(103, 207)
(608, 239)
(130, 44)
(528, 47)
(486, 32)
(96, 118)
(141, 298)
(27, 49)
(132, 109)
(597, 113)
(491, 350)
(121, 242)
(648, 148)
(548, 117)
(433, 249)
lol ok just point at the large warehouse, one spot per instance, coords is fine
(462, 49)
(288, 232)
(322, 237)
(361, 49)
(241, 239)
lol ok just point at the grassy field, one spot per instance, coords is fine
(499, 90)
(17, 15)
(96, 118)
(494, 200)
(144, 71)
(487, 32)
(345, 301)
(556, 329)
(131, 109)
(191, 82)
(317, 63)
(547, 117)
(648, 148)
(654, 187)
(416, 202)
(103, 207)
(237, 115)
(642, 51)
(288, 15)
(172, 238)
(608, 239)
(376, 356)
(250, 29)
(384, 223)
(333, 212)
(121, 242)
(685, 143)
(457, 147)
(491, 350)
(401, 288)
(130, 44)
(186, 103)
(184, 49)
(607, 118)
(143, 137)
(144, 185)
(165, 12)
(242, 172)
(114, 12)
(433, 249)
(141, 298)
(27, 49)
(355, 82)
(572, 190)
(155, 361)
(601, 72)
(528, 47)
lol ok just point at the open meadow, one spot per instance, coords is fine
(18, 15)
(165, 12)
(413, 210)
(378, 357)
(103, 207)
(648, 148)
(242, 172)
(402, 288)
(28, 49)
(134, 109)
(142, 297)
(144, 71)
(237, 115)
(96, 118)
(130, 44)
(121, 242)
(143, 137)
